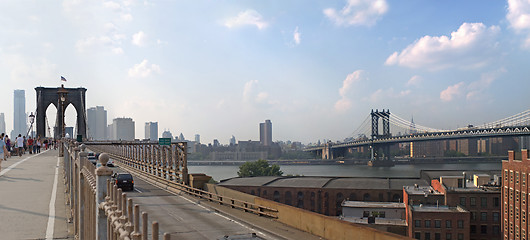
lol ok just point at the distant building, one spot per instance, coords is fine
(515, 190)
(19, 114)
(151, 131)
(232, 140)
(384, 216)
(122, 129)
(2, 123)
(69, 132)
(216, 143)
(167, 134)
(265, 133)
(198, 138)
(97, 123)
(181, 137)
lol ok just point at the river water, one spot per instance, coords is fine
(223, 172)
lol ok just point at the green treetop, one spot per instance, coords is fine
(259, 168)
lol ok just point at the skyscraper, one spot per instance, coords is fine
(122, 129)
(19, 113)
(97, 122)
(197, 138)
(2, 123)
(265, 133)
(151, 131)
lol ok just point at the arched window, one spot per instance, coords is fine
(276, 196)
(353, 197)
(312, 199)
(264, 193)
(252, 192)
(288, 198)
(326, 203)
(338, 203)
(300, 202)
(366, 197)
(396, 198)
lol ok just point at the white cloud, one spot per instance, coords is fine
(127, 17)
(139, 39)
(112, 5)
(248, 17)
(254, 96)
(519, 17)
(296, 36)
(358, 12)
(414, 80)
(117, 50)
(452, 91)
(519, 14)
(143, 69)
(382, 94)
(344, 103)
(476, 88)
(472, 45)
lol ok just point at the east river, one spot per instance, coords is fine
(223, 172)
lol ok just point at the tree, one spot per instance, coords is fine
(259, 168)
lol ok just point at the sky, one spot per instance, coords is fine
(314, 68)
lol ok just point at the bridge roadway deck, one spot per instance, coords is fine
(186, 217)
(26, 190)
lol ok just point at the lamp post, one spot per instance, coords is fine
(31, 121)
(62, 99)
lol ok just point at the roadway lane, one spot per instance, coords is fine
(26, 185)
(183, 217)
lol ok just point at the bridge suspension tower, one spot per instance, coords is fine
(380, 153)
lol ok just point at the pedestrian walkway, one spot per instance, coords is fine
(32, 199)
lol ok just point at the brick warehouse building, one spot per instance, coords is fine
(323, 194)
(515, 190)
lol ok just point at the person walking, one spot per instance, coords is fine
(30, 145)
(7, 141)
(3, 150)
(39, 144)
(20, 145)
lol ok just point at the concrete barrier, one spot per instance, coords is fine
(324, 226)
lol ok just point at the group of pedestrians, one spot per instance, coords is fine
(21, 145)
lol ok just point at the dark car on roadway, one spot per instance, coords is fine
(92, 158)
(124, 181)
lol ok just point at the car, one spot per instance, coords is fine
(92, 158)
(110, 163)
(124, 181)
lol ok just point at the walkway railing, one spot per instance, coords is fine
(99, 209)
(166, 166)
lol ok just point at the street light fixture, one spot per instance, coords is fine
(31, 121)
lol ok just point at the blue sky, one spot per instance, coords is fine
(314, 68)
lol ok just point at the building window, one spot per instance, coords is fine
(300, 202)
(427, 236)
(448, 236)
(506, 175)
(473, 229)
(483, 216)
(484, 229)
(460, 236)
(367, 214)
(427, 223)
(460, 223)
(276, 196)
(437, 236)
(496, 202)
(496, 230)
(496, 217)
(524, 179)
(472, 201)
(463, 201)
(473, 216)
(366, 197)
(484, 202)
(437, 223)
(517, 177)
(448, 224)
(417, 235)
(417, 223)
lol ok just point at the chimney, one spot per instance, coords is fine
(511, 155)
(524, 154)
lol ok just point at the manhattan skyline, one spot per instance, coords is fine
(316, 69)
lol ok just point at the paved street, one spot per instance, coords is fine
(26, 186)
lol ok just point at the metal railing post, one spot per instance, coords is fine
(103, 174)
